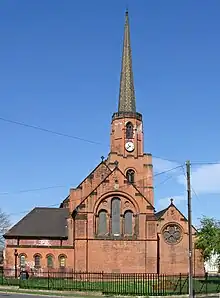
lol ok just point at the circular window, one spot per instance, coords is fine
(172, 233)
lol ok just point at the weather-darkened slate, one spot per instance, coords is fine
(42, 222)
(159, 214)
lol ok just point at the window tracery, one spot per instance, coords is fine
(116, 218)
(172, 233)
(130, 175)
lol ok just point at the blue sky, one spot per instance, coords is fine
(60, 67)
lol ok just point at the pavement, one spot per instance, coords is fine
(5, 295)
(21, 295)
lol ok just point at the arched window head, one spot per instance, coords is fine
(115, 216)
(129, 130)
(22, 260)
(62, 261)
(49, 261)
(102, 223)
(128, 225)
(37, 261)
(130, 176)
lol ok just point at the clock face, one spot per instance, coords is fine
(129, 146)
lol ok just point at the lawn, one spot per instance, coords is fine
(162, 285)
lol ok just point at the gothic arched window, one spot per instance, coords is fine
(22, 260)
(128, 229)
(50, 261)
(115, 215)
(102, 223)
(37, 261)
(62, 261)
(129, 130)
(130, 176)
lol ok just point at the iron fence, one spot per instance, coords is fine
(141, 284)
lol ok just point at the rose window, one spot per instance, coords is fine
(172, 233)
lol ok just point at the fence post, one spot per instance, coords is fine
(102, 281)
(180, 284)
(48, 280)
(206, 283)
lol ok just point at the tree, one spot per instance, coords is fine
(4, 226)
(208, 238)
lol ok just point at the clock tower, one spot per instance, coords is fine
(127, 126)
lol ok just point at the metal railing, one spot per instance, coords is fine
(141, 284)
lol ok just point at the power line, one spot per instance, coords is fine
(193, 190)
(87, 140)
(66, 135)
(167, 171)
(32, 190)
(171, 160)
(164, 181)
(62, 186)
(204, 163)
(48, 131)
(120, 187)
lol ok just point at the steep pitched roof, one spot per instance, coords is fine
(111, 171)
(41, 223)
(160, 213)
(136, 189)
(93, 171)
(65, 201)
(90, 174)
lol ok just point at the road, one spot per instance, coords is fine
(5, 295)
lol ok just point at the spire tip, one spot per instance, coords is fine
(126, 94)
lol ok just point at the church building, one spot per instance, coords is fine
(108, 222)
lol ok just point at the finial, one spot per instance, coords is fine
(116, 163)
(102, 158)
(171, 201)
(126, 11)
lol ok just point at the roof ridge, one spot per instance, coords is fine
(136, 188)
(111, 171)
(90, 173)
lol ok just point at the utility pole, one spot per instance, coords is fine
(189, 199)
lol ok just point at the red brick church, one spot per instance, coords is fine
(108, 222)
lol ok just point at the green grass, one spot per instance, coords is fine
(129, 286)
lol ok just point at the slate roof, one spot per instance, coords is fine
(160, 213)
(41, 223)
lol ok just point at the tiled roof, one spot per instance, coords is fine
(41, 223)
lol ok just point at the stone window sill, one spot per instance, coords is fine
(114, 237)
